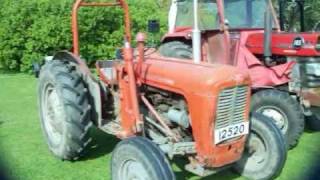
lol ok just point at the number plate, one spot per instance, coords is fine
(231, 131)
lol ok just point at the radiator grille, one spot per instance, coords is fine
(232, 103)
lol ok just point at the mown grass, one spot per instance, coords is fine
(25, 154)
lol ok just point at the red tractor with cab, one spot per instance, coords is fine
(160, 107)
(284, 67)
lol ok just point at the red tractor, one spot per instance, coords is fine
(284, 67)
(160, 107)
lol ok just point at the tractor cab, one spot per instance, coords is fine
(233, 23)
(247, 35)
(252, 35)
(238, 14)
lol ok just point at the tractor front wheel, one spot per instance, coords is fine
(285, 112)
(265, 153)
(139, 158)
(64, 109)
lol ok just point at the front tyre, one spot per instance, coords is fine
(265, 153)
(285, 112)
(64, 109)
(140, 159)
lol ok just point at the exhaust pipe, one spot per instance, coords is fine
(196, 35)
(301, 9)
(267, 37)
(282, 4)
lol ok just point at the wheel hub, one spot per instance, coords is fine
(278, 116)
(53, 114)
(256, 152)
(133, 170)
(257, 149)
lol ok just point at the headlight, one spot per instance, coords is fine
(310, 72)
(313, 69)
(298, 42)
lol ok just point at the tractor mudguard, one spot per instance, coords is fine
(92, 83)
(179, 34)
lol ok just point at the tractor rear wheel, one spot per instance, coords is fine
(64, 109)
(285, 111)
(176, 49)
(265, 153)
(313, 121)
(139, 158)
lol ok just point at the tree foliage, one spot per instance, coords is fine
(32, 29)
(292, 14)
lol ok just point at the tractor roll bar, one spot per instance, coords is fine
(81, 3)
(225, 30)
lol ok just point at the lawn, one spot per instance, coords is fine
(24, 152)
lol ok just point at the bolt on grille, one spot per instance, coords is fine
(232, 103)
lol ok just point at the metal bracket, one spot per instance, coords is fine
(181, 148)
(201, 171)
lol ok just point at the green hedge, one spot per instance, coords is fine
(32, 29)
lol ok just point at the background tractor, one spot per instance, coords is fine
(158, 106)
(284, 67)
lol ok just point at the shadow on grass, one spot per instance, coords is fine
(313, 172)
(101, 145)
(104, 144)
(309, 130)
(183, 174)
(8, 72)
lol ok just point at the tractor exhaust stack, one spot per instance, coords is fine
(196, 35)
(267, 37)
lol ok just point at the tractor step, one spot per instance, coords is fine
(202, 171)
(111, 127)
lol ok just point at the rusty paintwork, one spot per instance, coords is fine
(201, 91)
(200, 84)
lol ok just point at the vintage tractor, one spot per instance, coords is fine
(158, 106)
(284, 67)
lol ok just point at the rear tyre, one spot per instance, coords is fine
(176, 49)
(313, 122)
(265, 153)
(139, 158)
(284, 110)
(64, 109)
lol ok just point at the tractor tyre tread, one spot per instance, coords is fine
(276, 147)
(176, 49)
(288, 105)
(145, 151)
(75, 99)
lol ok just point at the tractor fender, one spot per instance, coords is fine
(94, 86)
(257, 88)
(65, 55)
(178, 35)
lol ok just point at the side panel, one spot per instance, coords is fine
(260, 74)
(282, 44)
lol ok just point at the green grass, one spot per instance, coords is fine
(26, 156)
